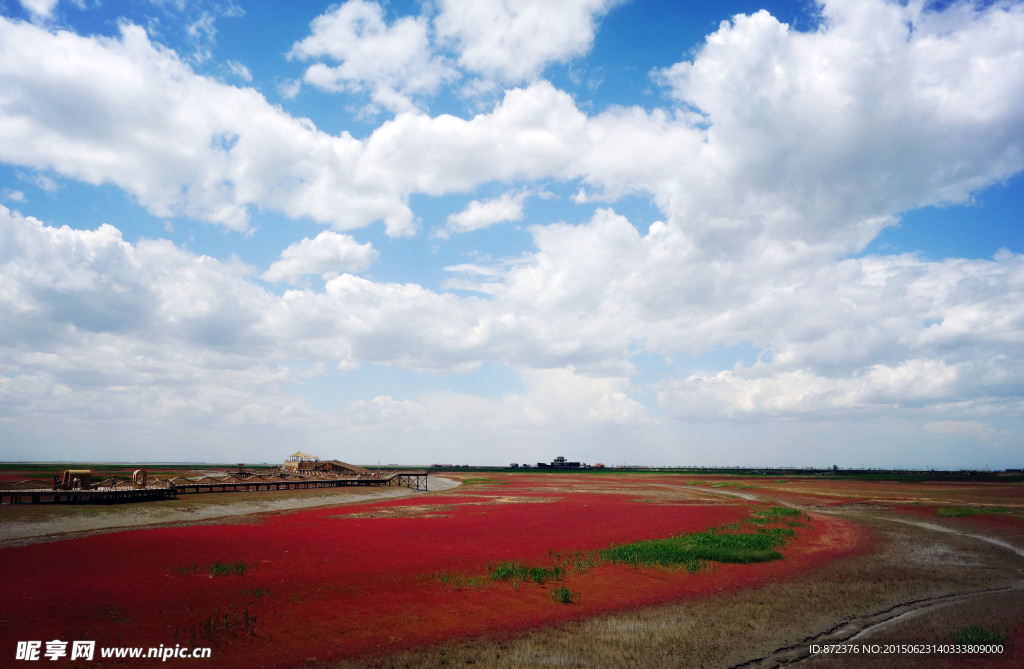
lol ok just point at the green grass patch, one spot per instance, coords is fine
(692, 551)
(775, 514)
(963, 511)
(517, 571)
(483, 481)
(755, 539)
(978, 636)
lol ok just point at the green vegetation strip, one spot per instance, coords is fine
(692, 551)
(517, 571)
(962, 511)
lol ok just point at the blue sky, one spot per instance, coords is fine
(735, 233)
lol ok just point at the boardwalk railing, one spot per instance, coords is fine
(106, 492)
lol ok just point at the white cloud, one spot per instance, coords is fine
(130, 112)
(732, 394)
(551, 400)
(328, 254)
(975, 431)
(239, 70)
(478, 215)
(39, 9)
(393, 63)
(514, 42)
(823, 136)
(385, 412)
(785, 152)
(803, 175)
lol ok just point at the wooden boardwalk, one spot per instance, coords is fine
(169, 490)
(114, 496)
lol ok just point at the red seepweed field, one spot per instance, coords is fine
(275, 590)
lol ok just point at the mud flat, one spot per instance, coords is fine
(411, 582)
(917, 583)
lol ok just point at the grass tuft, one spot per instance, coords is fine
(236, 568)
(218, 568)
(979, 636)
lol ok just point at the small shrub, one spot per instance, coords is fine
(230, 624)
(564, 595)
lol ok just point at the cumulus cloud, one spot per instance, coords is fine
(127, 111)
(825, 158)
(782, 154)
(394, 63)
(733, 394)
(823, 136)
(513, 42)
(328, 254)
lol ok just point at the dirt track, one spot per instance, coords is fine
(860, 628)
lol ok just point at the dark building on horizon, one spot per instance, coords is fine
(559, 463)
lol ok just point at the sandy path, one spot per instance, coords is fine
(124, 516)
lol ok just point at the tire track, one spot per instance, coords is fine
(854, 628)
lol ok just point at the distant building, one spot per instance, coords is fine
(559, 463)
(300, 463)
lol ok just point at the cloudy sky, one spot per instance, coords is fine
(492, 231)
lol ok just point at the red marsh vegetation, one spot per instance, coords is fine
(513, 554)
